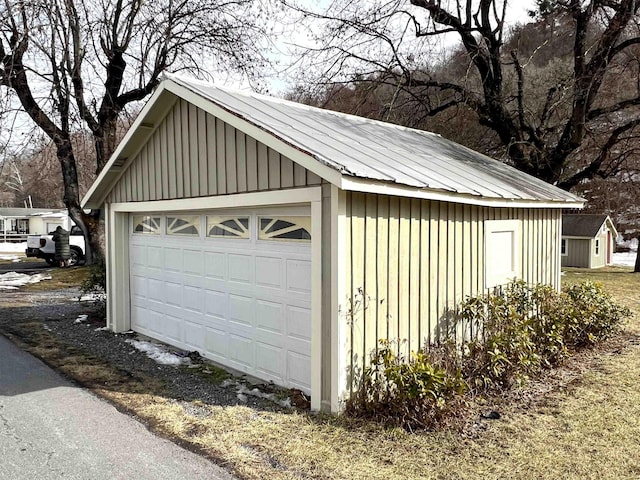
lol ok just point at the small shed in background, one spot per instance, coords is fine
(587, 240)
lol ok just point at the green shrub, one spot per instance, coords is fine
(408, 393)
(525, 328)
(504, 350)
(517, 332)
(592, 314)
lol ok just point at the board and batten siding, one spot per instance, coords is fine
(410, 262)
(578, 253)
(194, 154)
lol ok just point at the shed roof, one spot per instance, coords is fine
(362, 152)
(585, 225)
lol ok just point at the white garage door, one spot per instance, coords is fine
(236, 287)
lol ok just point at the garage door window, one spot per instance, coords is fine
(285, 228)
(183, 225)
(228, 227)
(146, 224)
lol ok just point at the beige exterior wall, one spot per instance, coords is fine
(599, 260)
(578, 253)
(581, 252)
(409, 263)
(193, 154)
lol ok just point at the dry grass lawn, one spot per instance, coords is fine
(61, 278)
(586, 426)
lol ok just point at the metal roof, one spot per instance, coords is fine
(374, 150)
(351, 152)
(584, 225)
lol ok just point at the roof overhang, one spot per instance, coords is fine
(385, 188)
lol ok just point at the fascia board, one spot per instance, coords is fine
(368, 186)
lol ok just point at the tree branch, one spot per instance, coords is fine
(595, 167)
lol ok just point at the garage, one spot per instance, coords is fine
(234, 286)
(285, 241)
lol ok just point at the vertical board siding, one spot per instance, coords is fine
(370, 304)
(231, 159)
(411, 262)
(194, 149)
(179, 146)
(382, 265)
(403, 280)
(358, 308)
(194, 154)
(203, 168)
(578, 253)
(392, 279)
(186, 149)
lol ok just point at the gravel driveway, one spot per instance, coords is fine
(58, 310)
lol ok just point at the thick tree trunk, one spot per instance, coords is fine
(105, 140)
(636, 268)
(88, 223)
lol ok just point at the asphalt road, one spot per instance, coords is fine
(51, 429)
(25, 266)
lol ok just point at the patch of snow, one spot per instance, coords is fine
(92, 297)
(13, 258)
(632, 244)
(242, 398)
(101, 329)
(256, 392)
(624, 259)
(227, 383)
(7, 247)
(13, 280)
(81, 319)
(157, 353)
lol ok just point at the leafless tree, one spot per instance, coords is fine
(562, 118)
(76, 65)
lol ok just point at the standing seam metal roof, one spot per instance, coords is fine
(370, 149)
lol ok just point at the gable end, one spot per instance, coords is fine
(194, 154)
